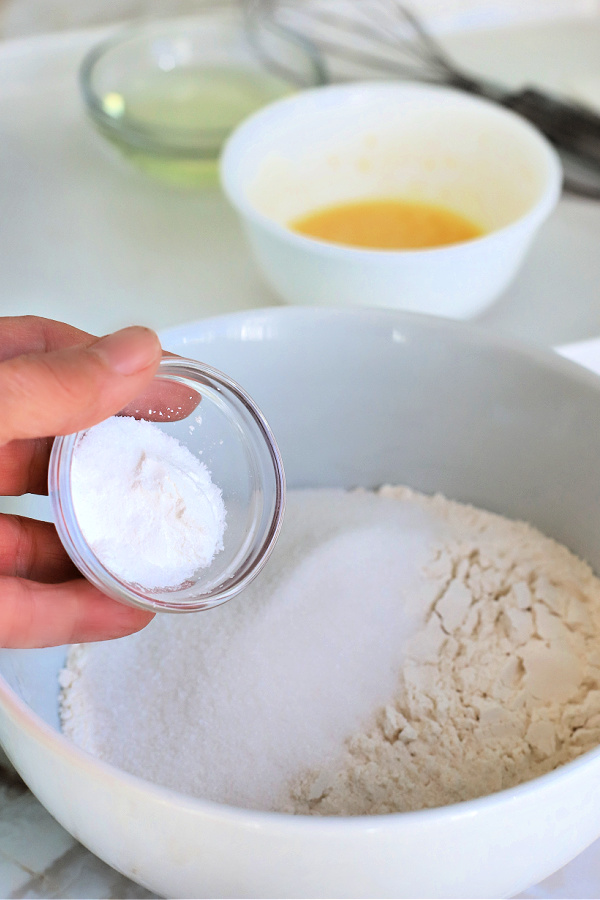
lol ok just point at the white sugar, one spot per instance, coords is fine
(234, 703)
(145, 504)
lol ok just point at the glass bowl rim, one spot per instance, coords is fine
(174, 141)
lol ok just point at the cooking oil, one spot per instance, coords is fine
(173, 123)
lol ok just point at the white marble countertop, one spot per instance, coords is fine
(38, 858)
(90, 241)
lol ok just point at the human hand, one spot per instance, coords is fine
(55, 379)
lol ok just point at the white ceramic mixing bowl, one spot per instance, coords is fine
(357, 397)
(428, 144)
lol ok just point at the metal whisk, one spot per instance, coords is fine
(384, 38)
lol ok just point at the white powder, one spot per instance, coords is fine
(398, 651)
(146, 506)
(230, 704)
(500, 686)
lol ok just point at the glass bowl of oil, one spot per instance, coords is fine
(168, 93)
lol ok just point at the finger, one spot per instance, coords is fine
(24, 467)
(164, 401)
(44, 615)
(24, 464)
(67, 390)
(31, 549)
(33, 334)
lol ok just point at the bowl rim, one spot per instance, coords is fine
(174, 141)
(235, 192)
(40, 731)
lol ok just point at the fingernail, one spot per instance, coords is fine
(128, 351)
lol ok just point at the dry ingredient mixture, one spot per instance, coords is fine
(145, 504)
(399, 652)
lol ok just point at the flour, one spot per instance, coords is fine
(501, 685)
(398, 652)
(145, 504)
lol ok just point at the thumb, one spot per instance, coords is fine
(45, 394)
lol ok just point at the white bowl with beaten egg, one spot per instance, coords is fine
(390, 141)
(356, 397)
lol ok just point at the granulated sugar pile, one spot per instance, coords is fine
(231, 704)
(398, 652)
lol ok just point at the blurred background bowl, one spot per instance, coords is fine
(357, 397)
(390, 140)
(169, 93)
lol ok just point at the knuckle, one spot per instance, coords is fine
(16, 546)
(15, 612)
(41, 390)
(24, 546)
(30, 323)
(14, 399)
(58, 380)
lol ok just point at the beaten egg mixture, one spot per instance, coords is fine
(384, 224)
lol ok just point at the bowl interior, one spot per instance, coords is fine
(371, 397)
(428, 144)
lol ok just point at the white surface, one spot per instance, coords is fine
(348, 142)
(86, 239)
(586, 353)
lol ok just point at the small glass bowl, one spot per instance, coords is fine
(222, 426)
(169, 93)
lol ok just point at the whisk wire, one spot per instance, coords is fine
(261, 22)
(367, 42)
(356, 34)
(434, 49)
